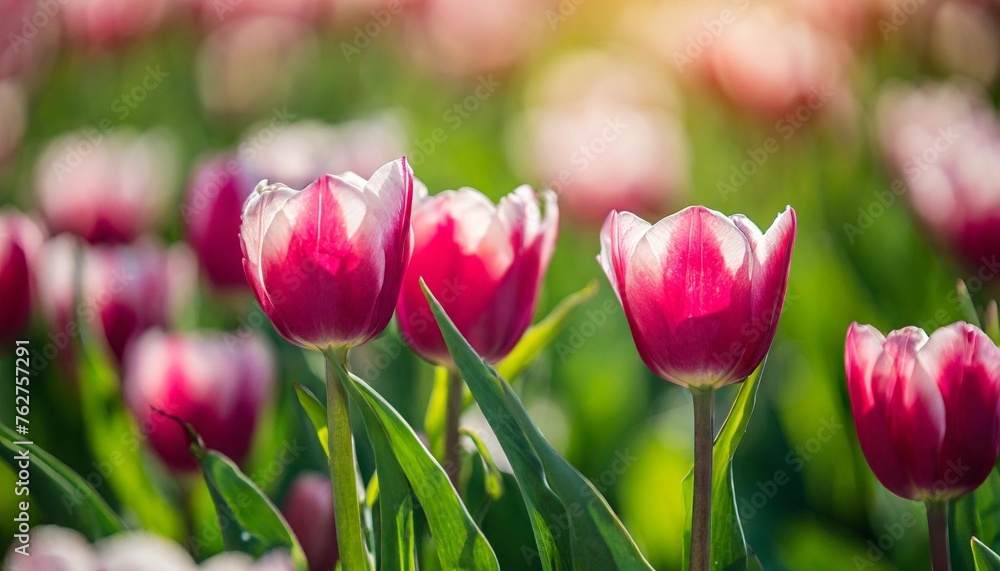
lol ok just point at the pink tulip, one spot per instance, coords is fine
(308, 507)
(111, 23)
(702, 292)
(944, 143)
(484, 263)
(105, 187)
(20, 240)
(218, 383)
(326, 262)
(211, 212)
(926, 409)
(126, 288)
(301, 152)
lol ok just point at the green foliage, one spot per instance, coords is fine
(66, 498)
(574, 526)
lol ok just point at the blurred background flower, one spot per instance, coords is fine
(131, 134)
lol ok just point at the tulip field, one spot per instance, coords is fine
(511, 285)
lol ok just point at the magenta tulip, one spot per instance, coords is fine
(126, 288)
(105, 187)
(483, 262)
(20, 239)
(218, 383)
(326, 262)
(211, 211)
(308, 507)
(702, 292)
(926, 409)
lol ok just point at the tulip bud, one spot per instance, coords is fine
(20, 240)
(211, 213)
(217, 383)
(105, 187)
(484, 263)
(308, 508)
(702, 292)
(926, 409)
(326, 262)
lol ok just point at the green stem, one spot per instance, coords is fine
(701, 517)
(347, 509)
(452, 446)
(937, 527)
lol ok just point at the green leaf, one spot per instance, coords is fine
(574, 526)
(729, 548)
(975, 514)
(494, 477)
(316, 412)
(991, 322)
(542, 334)
(115, 437)
(460, 543)
(437, 411)
(968, 306)
(985, 558)
(250, 523)
(64, 496)
(389, 485)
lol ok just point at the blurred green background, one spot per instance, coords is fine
(805, 492)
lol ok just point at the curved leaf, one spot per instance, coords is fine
(64, 496)
(573, 524)
(985, 558)
(460, 542)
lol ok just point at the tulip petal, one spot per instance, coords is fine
(911, 404)
(619, 236)
(965, 364)
(772, 254)
(687, 295)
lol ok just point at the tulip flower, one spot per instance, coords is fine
(308, 508)
(944, 143)
(326, 264)
(217, 383)
(126, 288)
(212, 210)
(702, 294)
(105, 187)
(299, 153)
(484, 262)
(927, 413)
(20, 240)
